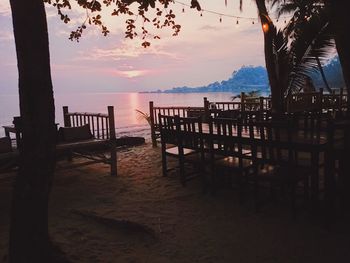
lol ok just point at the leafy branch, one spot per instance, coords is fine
(164, 16)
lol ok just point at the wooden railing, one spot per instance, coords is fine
(261, 106)
(317, 101)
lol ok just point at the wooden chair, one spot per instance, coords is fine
(179, 140)
(275, 160)
(228, 148)
(190, 137)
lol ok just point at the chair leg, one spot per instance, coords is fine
(164, 164)
(113, 161)
(293, 200)
(306, 188)
(256, 194)
(241, 190)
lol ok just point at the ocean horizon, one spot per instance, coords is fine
(128, 121)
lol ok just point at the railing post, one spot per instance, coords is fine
(206, 109)
(340, 100)
(66, 118)
(112, 139)
(242, 101)
(321, 100)
(153, 132)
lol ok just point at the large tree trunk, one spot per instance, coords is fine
(340, 21)
(270, 60)
(29, 216)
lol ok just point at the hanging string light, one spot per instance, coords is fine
(221, 15)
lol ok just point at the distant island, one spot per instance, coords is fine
(251, 78)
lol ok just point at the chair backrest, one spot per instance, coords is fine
(228, 137)
(190, 132)
(167, 128)
(276, 142)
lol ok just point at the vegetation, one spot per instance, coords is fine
(143, 116)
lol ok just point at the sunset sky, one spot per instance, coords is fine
(205, 51)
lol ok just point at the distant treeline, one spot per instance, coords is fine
(250, 78)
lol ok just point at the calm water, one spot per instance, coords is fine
(127, 120)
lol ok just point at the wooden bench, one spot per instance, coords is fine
(99, 148)
(102, 127)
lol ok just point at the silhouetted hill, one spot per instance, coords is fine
(250, 78)
(247, 78)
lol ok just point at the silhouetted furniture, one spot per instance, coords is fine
(181, 138)
(8, 155)
(234, 109)
(228, 151)
(304, 102)
(277, 163)
(189, 132)
(89, 135)
(180, 111)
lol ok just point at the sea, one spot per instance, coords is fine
(128, 121)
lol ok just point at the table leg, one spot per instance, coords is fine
(315, 178)
(330, 186)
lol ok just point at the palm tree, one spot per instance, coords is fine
(296, 51)
(310, 30)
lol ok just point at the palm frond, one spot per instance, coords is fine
(313, 39)
(143, 116)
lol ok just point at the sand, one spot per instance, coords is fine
(141, 216)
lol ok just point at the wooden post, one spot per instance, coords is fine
(18, 127)
(206, 109)
(66, 118)
(321, 100)
(242, 101)
(341, 101)
(261, 100)
(112, 139)
(153, 132)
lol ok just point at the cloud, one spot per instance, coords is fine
(211, 28)
(5, 9)
(125, 51)
(6, 36)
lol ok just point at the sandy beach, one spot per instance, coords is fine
(141, 216)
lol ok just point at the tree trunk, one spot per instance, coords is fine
(339, 17)
(29, 239)
(270, 60)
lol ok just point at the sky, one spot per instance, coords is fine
(205, 51)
